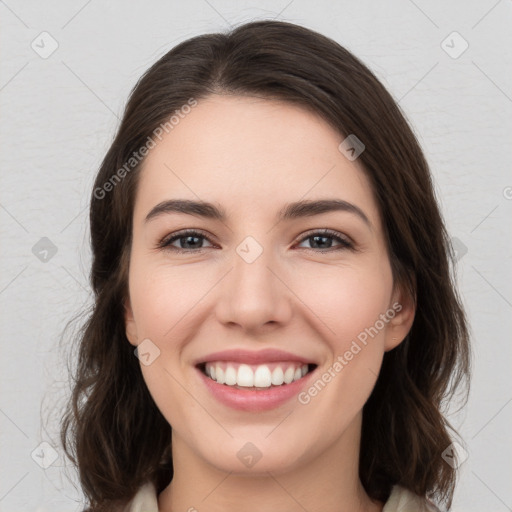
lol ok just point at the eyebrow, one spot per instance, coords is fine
(295, 210)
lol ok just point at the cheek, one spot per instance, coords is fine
(160, 297)
(348, 306)
(347, 301)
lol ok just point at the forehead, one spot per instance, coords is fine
(251, 154)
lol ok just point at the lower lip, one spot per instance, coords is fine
(252, 399)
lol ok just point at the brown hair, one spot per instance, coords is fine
(112, 429)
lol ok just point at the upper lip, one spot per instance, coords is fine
(268, 355)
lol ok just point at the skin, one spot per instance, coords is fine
(251, 156)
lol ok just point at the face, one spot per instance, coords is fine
(263, 293)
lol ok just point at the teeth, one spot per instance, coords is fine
(245, 376)
(261, 376)
(278, 376)
(289, 374)
(231, 377)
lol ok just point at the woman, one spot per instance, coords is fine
(275, 323)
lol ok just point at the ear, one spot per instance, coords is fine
(403, 303)
(130, 325)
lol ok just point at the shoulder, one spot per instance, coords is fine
(403, 500)
(146, 500)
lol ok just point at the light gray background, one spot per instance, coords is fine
(59, 115)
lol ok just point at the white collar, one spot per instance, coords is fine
(400, 500)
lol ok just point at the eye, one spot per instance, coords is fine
(322, 237)
(190, 240)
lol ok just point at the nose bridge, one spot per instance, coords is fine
(252, 277)
(253, 295)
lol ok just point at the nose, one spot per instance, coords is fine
(254, 294)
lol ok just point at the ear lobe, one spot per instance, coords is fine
(404, 305)
(130, 325)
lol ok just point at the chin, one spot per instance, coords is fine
(255, 455)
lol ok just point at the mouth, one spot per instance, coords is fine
(255, 377)
(255, 381)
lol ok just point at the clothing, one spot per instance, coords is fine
(400, 500)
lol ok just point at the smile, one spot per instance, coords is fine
(255, 381)
(261, 376)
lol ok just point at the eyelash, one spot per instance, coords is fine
(166, 242)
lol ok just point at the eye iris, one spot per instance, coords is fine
(320, 237)
(188, 238)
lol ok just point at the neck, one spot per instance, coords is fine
(327, 483)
